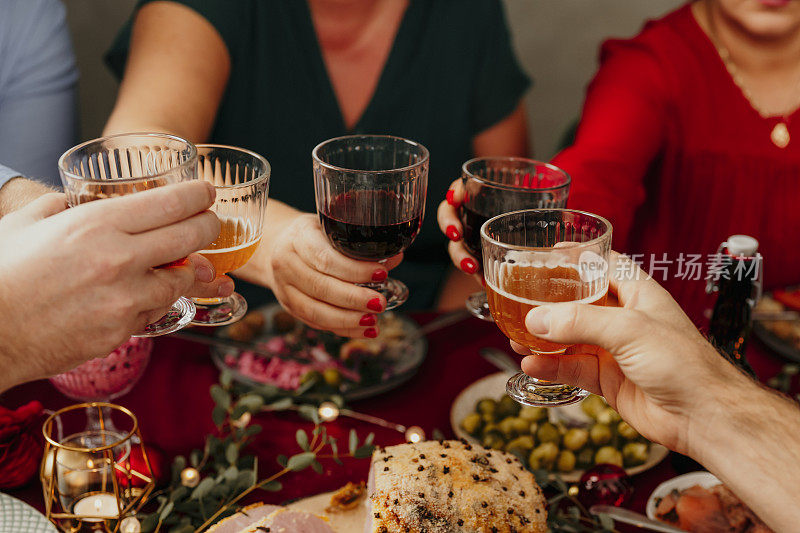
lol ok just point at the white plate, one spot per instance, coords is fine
(17, 516)
(679, 483)
(494, 385)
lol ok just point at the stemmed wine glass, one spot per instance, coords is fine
(241, 180)
(370, 192)
(125, 164)
(541, 256)
(496, 185)
(105, 378)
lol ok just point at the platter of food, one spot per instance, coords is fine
(698, 501)
(292, 356)
(566, 439)
(425, 486)
(782, 336)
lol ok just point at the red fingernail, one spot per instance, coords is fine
(452, 233)
(375, 305)
(379, 275)
(468, 265)
(450, 196)
(367, 320)
(370, 333)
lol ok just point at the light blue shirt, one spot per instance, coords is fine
(6, 174)
(38, 79)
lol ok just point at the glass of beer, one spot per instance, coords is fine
(496, 185)
(125, 164)
(241, 179)
(370, 192)
(542, 256)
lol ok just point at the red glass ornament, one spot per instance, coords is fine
(604, 484)
(136, 462)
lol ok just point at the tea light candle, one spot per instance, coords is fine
(101, 505)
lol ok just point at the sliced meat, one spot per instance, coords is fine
(242, 519)
(700, 511)
(290, 521)
(665, 510)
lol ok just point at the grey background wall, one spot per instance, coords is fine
(556, 40)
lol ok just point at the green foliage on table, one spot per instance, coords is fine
(565, 513)
(227, 472)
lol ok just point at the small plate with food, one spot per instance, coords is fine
(292, 356)
(782, 336)
(567, 440)
(698, 501)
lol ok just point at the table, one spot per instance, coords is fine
(174, 407)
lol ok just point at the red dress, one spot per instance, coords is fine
(670, 150)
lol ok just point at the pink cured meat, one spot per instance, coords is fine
(290, 521)
(243, 519)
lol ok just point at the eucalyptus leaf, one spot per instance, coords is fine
(364, 451)
(353, 443)
(272, 486)
(221, 397)
(300, 461)
(231, 473)
(202, 488)
(306, 386)
(218, 415)
(317, 467)
(335, 450)
(338, 400)
(149, 523)
(302, 439)
(165, 511)
(370, 438)
(282, 460)
(238, 411)
(309, 412)
(282, 404)
(252, 430)
(267, 391)
(179, 493)
(195, 457)
(232, 453)
(226, 378)
(178, 464)
(252, 402)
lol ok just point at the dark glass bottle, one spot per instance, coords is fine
(738, 285)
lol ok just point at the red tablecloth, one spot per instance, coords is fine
(174, 407)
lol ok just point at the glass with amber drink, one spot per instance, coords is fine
(536, 257)
(118, 165)
(241, 180)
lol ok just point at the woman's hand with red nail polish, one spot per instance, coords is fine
(450, 224)
(453, 234)
(469, 265)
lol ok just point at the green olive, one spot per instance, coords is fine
(593, 405)
(491, 429)
(520, 426)
(534, 428)
(506, 426)
(522, 445)
(575, 439)
(608, 416)
(634, 453)
(533, 414)
(608, 454)
(332, 377)
(543, 456)
(585, 458)
(600, 434)
(507, 407)
(486, 406)
(472, 423)
(494, 441)
(488, 418)
(566, 461)
(626, 431)
(547, 432)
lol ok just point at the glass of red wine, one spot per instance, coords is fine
(370, 192)
(497, 185)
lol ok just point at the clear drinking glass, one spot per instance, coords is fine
(370, 193)
(496, 185)
(125, 164)
(541, 256)
(241, 179)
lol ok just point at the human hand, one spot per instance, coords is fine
(76, 283)
(316, 283)
(646, 358)
(450, 224)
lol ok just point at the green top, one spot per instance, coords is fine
(451, 74)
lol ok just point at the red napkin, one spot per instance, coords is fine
(21, 444)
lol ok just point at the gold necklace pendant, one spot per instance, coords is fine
(780, 135)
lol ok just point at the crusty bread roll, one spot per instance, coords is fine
(452, 486)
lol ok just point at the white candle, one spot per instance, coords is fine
(101, 505)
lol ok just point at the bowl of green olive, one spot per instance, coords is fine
(566, 440)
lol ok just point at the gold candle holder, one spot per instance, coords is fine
(87, 476)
